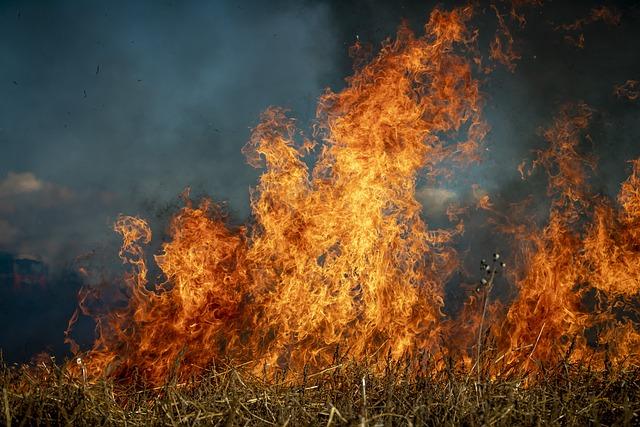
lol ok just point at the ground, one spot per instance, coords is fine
(344, 394)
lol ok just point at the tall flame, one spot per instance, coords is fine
(339, 257)
(336, 256)
(579, 270)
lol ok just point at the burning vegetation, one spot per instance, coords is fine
(336, 257)
(339, 262)
(339, 258)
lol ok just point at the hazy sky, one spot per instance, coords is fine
(118, 106)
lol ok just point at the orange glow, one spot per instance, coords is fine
(578, 272)
(338, 258)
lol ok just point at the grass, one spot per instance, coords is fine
(349, 393)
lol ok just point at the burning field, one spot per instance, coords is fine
(329, 305)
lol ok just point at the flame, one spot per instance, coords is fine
(586, 255)
(501, 48)
(335, 256)
(604, 14)
(338, 257)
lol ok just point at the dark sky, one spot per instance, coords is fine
(117, 106)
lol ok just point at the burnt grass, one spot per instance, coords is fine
(347, 393)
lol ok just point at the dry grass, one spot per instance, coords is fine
(347, 393)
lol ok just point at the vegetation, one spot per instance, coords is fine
(400, 393)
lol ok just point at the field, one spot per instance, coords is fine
(347, 393)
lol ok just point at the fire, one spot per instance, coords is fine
(629, 90)
(581, 269)
(339, 259)
(604, 14)
(338, 256)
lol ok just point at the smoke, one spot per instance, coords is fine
(127, 104)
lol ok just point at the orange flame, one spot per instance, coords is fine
(586, 255)
(609, 16)
(339, 257)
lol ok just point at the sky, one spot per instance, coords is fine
(110, 107)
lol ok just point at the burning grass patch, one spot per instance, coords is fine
(347, 393)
